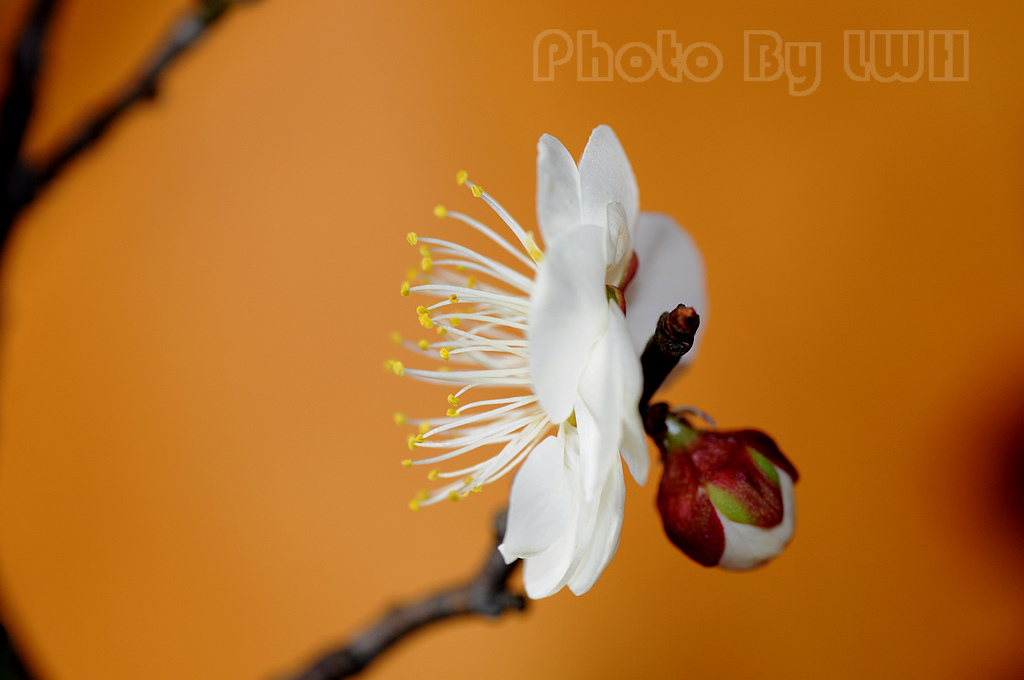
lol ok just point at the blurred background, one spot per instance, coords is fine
(199, 473)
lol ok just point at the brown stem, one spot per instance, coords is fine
(485, 594)
(672, 338)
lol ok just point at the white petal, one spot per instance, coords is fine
(544, 574)
(603, 541)
(671, 272)
(558, 189)
(747, 546)
(568, 313)
(609, 394)
(538, 508)
(598, 444)
(632, 441)
(606, 177)
(633, 446)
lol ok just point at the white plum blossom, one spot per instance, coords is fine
(560, 330)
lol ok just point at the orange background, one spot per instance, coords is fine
(198, 471)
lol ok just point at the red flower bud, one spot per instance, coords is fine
(726, 498)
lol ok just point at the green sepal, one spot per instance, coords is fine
(679, 435)
(729, 505)
(764, 465)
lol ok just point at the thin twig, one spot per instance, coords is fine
(485, 594)
(672, 338)
(27, 178)
(19, 102)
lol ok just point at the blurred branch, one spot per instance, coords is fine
(11, 665)
(24, 178)
(18, 103)
(486, 594)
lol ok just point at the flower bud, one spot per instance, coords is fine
(726, 498)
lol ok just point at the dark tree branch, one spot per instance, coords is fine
(19, 102)
(485, 594)
(25, 178)
(12, 667)
(672, 338)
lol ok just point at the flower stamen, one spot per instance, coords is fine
(487, 337)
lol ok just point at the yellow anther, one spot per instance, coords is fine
(425, 321)
(424, 427)
(423, 344)
(531, 247)
(440, 211)
(467, 481)
(404, 290)
(470, 282)
(420, 496)
(460, 267)
(445, 354)
(453, 400)
(441, 330)
(407, 462)
(453, 496)
(460, 177)
(452, 412)
(412, 441)
(422, 310)
(397, 368)
(424, 251)
(411, 274)
(432, 475)
(411, 237)
(396, 338)
(477, 190)
(399, 418)
(426, 264)
(456, 321)
(453, 298)
(477, 489)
